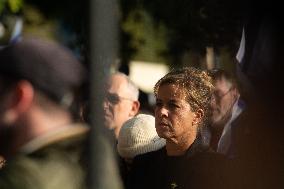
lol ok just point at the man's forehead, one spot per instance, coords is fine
(222, 84)
(117, 84)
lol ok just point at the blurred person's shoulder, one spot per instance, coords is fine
(66, 138)
(51, 161)
(50, 171)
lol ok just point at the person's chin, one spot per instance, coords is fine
(166, 135)
(163, 132)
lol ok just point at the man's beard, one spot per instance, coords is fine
(221, 122)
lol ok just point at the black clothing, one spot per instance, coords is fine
(198, 168)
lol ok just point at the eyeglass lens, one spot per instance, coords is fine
(112, 98)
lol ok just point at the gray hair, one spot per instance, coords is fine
(133, 89)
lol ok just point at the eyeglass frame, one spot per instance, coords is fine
(218, 98)
(118, 99)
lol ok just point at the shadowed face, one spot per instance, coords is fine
(174, 118)
(222, 102)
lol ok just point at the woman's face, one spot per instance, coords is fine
(175, 121)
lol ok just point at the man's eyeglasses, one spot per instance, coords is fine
(115, 99)
(218, 97)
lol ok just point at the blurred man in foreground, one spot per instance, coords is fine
(40, 142)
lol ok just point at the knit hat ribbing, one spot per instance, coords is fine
(138, 136)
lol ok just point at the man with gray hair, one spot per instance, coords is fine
(121, 102)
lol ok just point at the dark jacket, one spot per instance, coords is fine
(198, 168)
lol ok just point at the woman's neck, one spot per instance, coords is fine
(179, 147)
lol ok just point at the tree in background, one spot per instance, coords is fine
(197, 24)
(191, 29)
(161, 30)
(57, 20)
(10, 22)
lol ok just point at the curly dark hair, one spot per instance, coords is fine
(197, 85)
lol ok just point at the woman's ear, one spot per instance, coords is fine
(198, 115)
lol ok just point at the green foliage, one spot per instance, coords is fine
(2, 5)
(15, 5)
(37, 24)
(188, 25)
(154, 30)
(147, 38)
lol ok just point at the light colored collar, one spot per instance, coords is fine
(54, 136)
(225, 139)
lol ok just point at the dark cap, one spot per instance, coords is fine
(51, 68)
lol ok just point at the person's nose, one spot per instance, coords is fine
(163, 112)
(106, 104)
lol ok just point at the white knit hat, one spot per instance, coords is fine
(138, 136)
